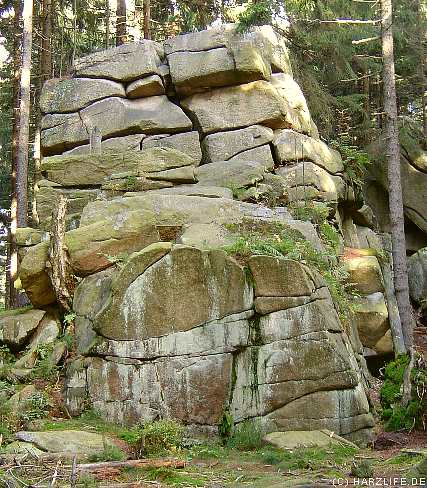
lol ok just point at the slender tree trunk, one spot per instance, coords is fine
(147, 19)
(121, 22)
(394, 178)
(24, 117)
(45, 73)
(12, 250)
(107, 24)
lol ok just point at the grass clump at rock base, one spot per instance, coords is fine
(155, 438)
(398, 416)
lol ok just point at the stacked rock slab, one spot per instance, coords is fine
(163, 151)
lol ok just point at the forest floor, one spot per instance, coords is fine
(212, 465)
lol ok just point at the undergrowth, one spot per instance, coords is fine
(397, 416)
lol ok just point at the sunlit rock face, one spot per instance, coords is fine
(166, 153)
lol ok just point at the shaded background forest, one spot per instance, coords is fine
(335, 48)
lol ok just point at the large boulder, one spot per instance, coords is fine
(187, 142)
(151, 115)
(240, 106)
(125, 63)
(94, 169)
(371, 319)
(72, 94)
(291, 146)
(222, 146)
(34, 277)
(417, 274)
(155, 295)
(413, 167)
(364, 271)
(306, 180)
(196, 71)
(17, 326)
(78, 442)
(261, 43)
(99, 245)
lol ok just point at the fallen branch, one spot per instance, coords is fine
(132, 463)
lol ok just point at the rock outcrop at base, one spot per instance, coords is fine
(171, 157)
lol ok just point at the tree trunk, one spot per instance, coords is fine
(24, 117)
(62, 279)
(147, 19)
(12, 250)
(121, 22)
(107, 24)
(394, 178)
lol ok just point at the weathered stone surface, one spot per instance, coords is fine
(97, 246)
(34, 277)
(17, 401)
(27, 236)
(187, 143)
(345, 411)
(290, 91)
(134, 184)
(77, 199)
(178, 292)
(61, 95)
(67, 441)
(146, 115)
(385, 344)
(46, 333)
(80, 170)
(16, 328)
(146, 87)
(371, 319)
(198, 191)
(22, 448)
(291, 146)
(413, 174)
(260, 154)
(222, 146)
(364, 274)
(307, 180)
(417, 274)
(231, 174)
(267, 305)
(185, 174)
(115, 144)
(127, 62)
(304, 438)
(239, 106)
(271, 46)
(275, 277)
(197, 71)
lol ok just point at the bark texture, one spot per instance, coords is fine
(394, 177)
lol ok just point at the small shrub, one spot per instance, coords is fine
(225, 426)
(246, 437)
(400, 417)
(315, 212)
(87, 481)
(110, 453)
(362, 469)
(155, 437)
(36, 406)
(162, 435)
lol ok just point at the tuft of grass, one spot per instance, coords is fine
(110, 453)
(246, 437)
(362, 469)
(156, 437)
(280, 241)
